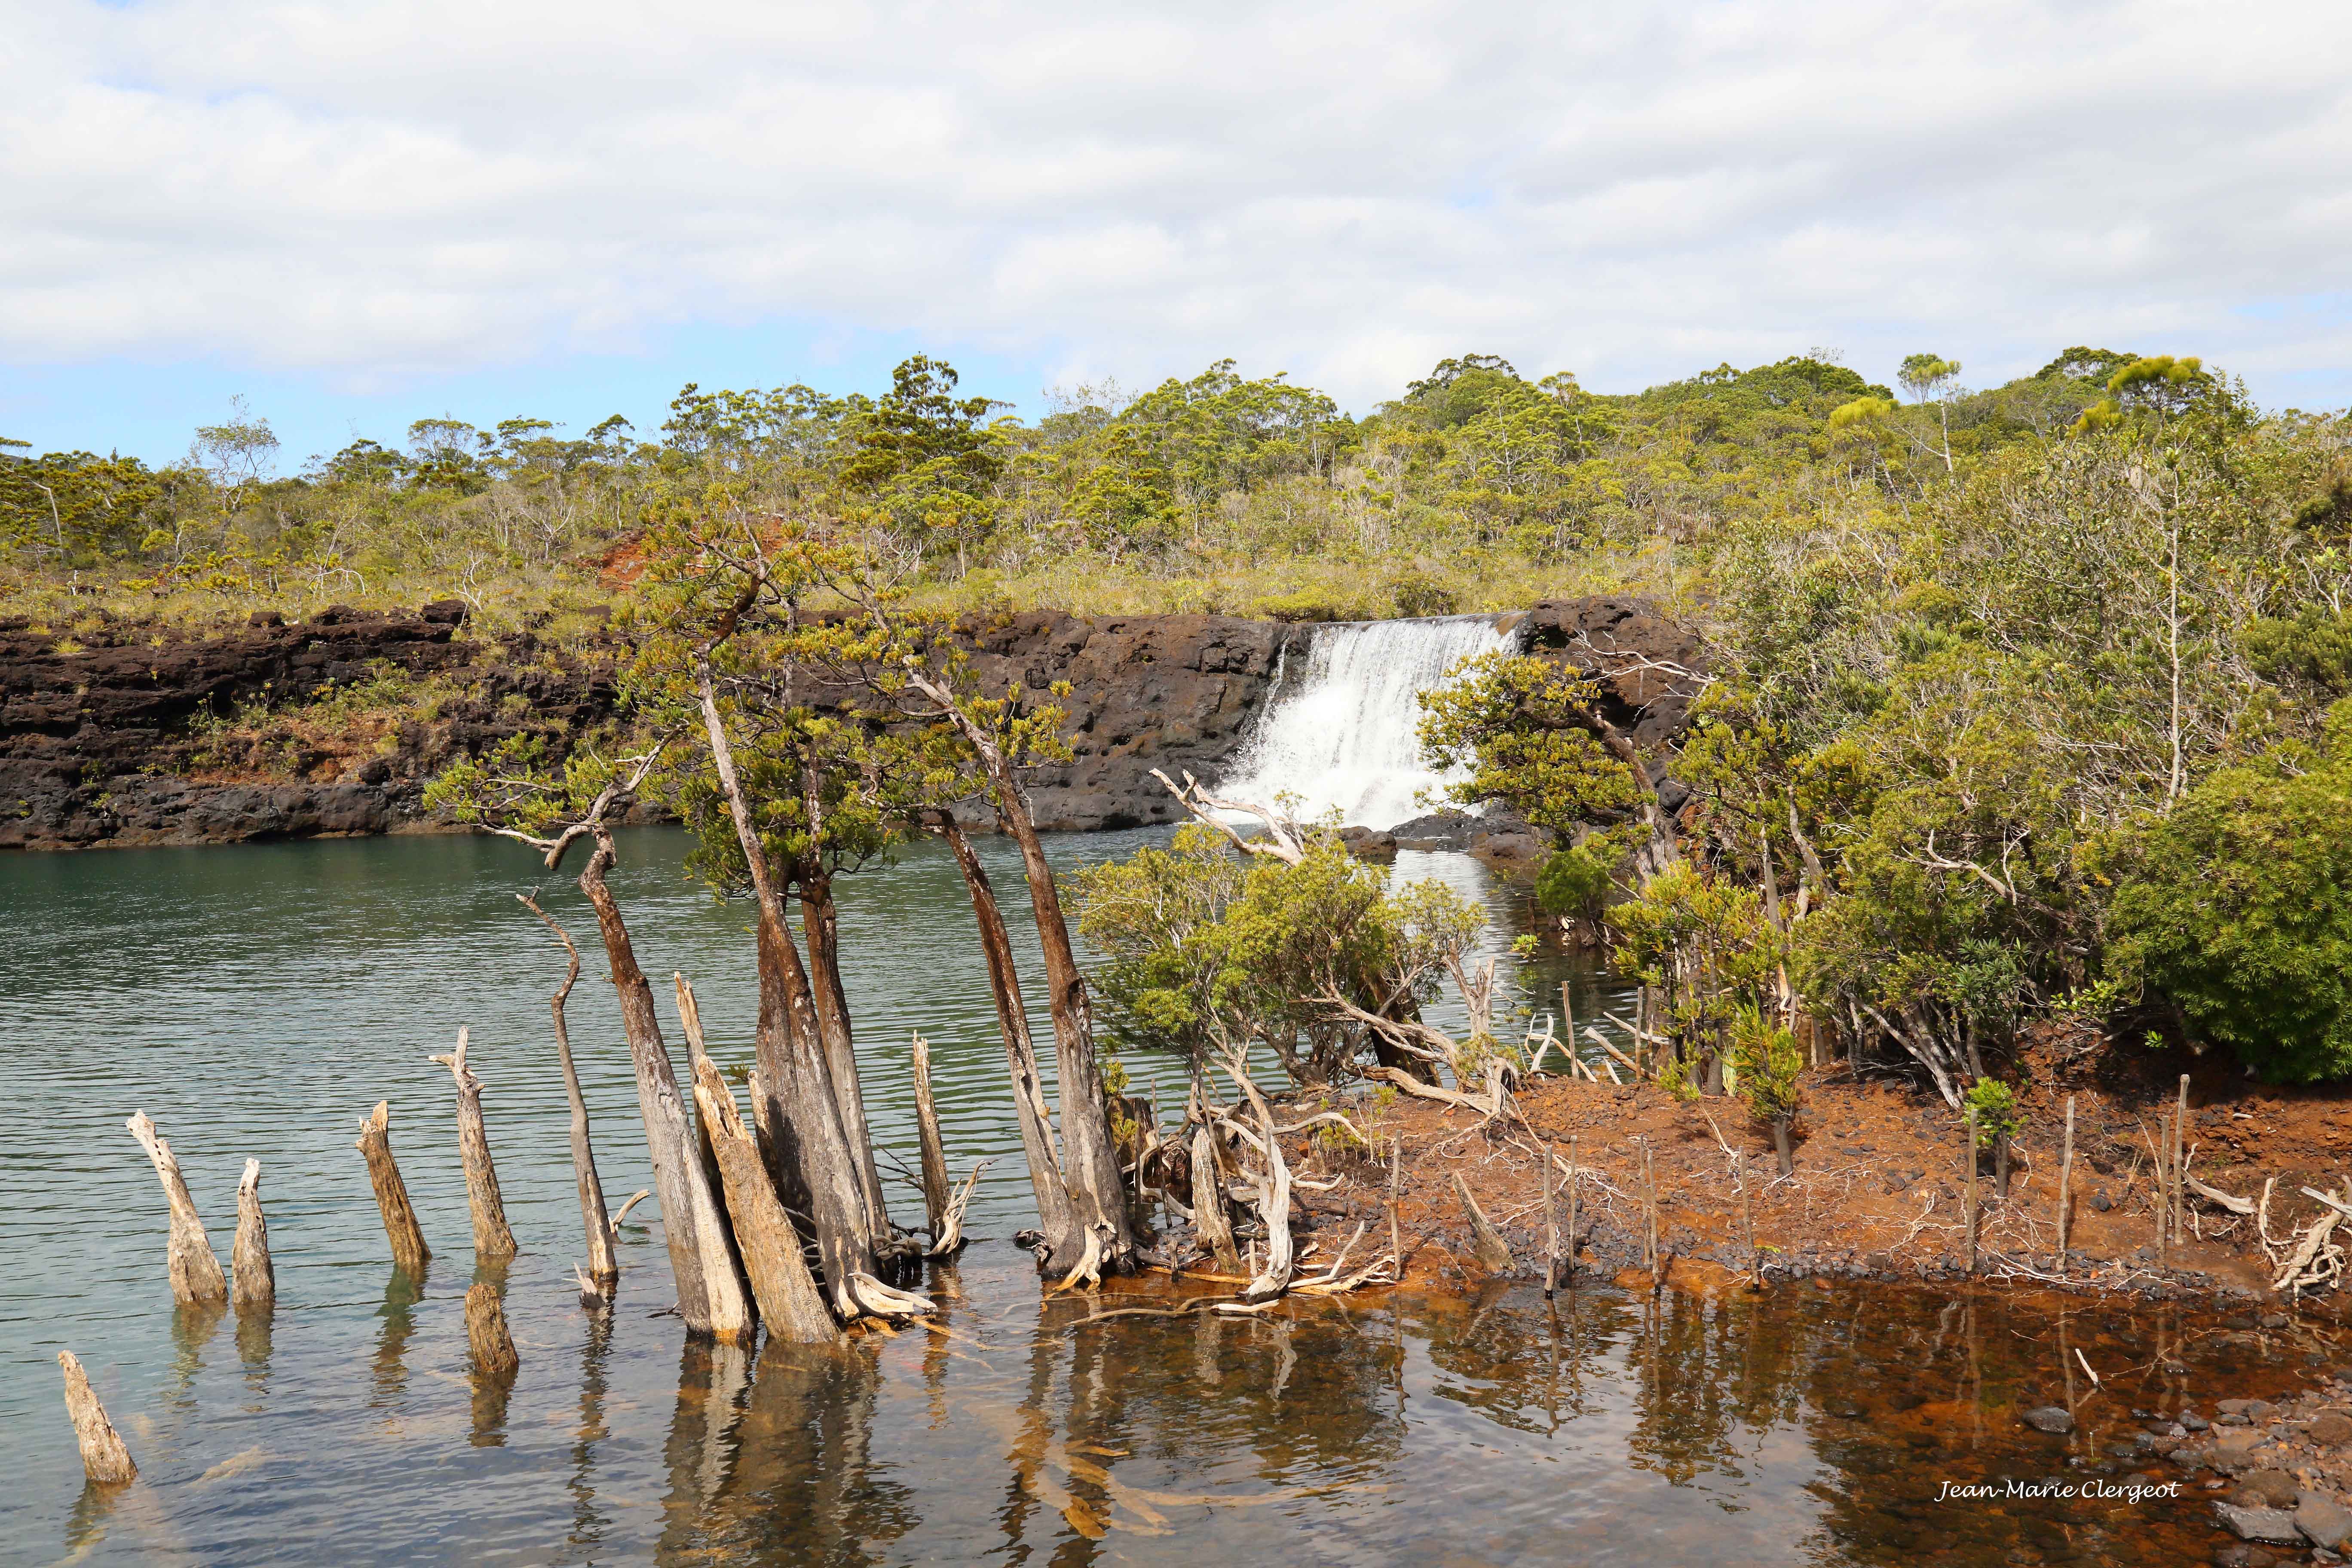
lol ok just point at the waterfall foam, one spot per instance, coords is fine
(1344, 732)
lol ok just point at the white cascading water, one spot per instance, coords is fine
(1344, 732)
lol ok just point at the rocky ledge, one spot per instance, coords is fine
(130, 733)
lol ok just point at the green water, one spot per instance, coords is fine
(256, 1001)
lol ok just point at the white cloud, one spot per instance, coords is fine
(1630, 190)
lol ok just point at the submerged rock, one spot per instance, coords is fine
(2049, 1418)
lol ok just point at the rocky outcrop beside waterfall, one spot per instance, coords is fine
(1174, 692)
(124, 732)
(141, 732)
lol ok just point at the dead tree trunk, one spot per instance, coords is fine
(1493, 1252)
(787, 1293)
(399, 1226)
(486, 1332)
(1091, 1158)
(821, 927)
(791, 1046)
(104, 1460)
(706, 1154)
(492, 1237)
(1090, 1173)
(1064, 1235)
(711, 1299)
(926, 1131)
(1208, 1221)
(255, 1282)
(197, 1279)
(603, 1267)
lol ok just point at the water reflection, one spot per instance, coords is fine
(402, 1291)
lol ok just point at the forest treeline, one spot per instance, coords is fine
(1475, 487)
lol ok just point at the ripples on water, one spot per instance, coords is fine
(256, 1001)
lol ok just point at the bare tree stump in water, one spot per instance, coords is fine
(1208, 1221)
(603, 1268)
(256, 1282)
(104, 1457)
(399, 1226)
(782, 1284)
(1493, 1252)
(492, 1239)
(485, 1330)
(733, 1307)
(196, 1278)
(934, 1152)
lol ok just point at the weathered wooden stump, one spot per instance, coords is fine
(399, 1226)
(104, 1457)
(492, 1239)
(255, 1287)
(771, 1249)
(485, 1330)
(197, 1277)
(1493, 1252)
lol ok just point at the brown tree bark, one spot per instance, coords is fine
(399, 1226)
(711, 1299)
(1064, 1234)
(1493, 1252)
(196, 1278)
(254, 1288)
(603, 1267)
(787, 1292)
(1208, 1221)
(492, 1237)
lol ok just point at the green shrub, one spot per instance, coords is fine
(1417, 595)
(1996, 1108)
(1578, 881)
(2239, 908)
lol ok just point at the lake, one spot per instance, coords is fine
(258, 1000)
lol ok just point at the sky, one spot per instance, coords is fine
(356, 214)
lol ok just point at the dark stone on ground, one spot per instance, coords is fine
(2323, 1520)
(2266, 1488)
(2330, 1428)
(2258, 1523)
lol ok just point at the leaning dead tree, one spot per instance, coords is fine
(1093, 1214)
(196, 1278)
(712, 1297)
(492, 1237)
(602, 1231)
(400, 1227)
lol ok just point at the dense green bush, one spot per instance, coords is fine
(2240, 909)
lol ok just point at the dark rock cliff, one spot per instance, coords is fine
(132, 732)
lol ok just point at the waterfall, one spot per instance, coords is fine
(1344, 732)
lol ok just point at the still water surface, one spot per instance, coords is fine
(257, 1000)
